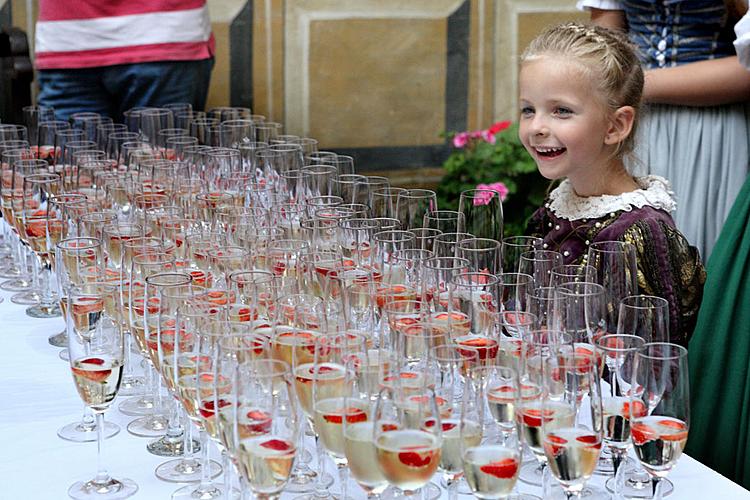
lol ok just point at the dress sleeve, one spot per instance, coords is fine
(599, 4)
(742, 43)
(535, 226)
(669, 267)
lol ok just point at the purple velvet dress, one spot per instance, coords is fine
(667, 265)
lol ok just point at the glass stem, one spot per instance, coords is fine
(452, 487)
(227, 467)
(175, 430)
(657, 488)
(157, 391)
(46, 301)
(546, 480)
(128, 374)
(320, 488)
(617, 459)
(102, 476)
(205, 462)
(343, 479)
(149, 397)
(187, 435)
(34, 270)
(88, 421)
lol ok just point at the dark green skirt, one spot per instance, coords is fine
(719, 353)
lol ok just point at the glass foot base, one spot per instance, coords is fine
(170, 447)
(461, 489)
(301, 481)
(58, 339)
(9, 273)
(589, 492)
(637, 489)
(185, 470)
(208, 492)
(605, 466)
(25, 298)
(152, 427)
(431, 491)
(131, 386)
(79, 433)
(137, 407)
(16, 285)
(327, 482)
(39, 311)
(112, 489)
(531, 473)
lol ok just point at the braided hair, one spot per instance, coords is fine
(609, 59)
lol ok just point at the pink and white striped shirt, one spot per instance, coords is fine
(92, 33)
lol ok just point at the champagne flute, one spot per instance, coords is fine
(96, 347)
(72, 257)
(513, 307)
(483, 212)
(660, 386)
(445, 221)
(461, 415)
(618, 352)
(538, 346)
(539, 264)
(483, 253)
(359, 448)
(198, 384)
(413, 204)
(492, 466)
(515, 246)
(158, 315)
(571, 421)
(407, 450)
(267, 426)
(615, 264)
(332, 400)
(475, 297)
(44, 229)
(645, 316)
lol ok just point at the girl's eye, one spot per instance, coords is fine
(527, 110)
(563, 111)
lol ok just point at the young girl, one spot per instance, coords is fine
(580, 92)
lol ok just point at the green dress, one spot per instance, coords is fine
(719, 353)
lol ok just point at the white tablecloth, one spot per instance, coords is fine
(37, 397)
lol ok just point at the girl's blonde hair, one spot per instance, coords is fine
(608, 57)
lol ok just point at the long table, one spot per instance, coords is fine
(37, 397)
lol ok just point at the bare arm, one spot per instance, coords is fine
(613, 19)
(706, 83)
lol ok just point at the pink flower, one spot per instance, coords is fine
(500, 189)
(461, 139)
(487, 136)
(487, 191)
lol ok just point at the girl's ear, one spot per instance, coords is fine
(620, 125)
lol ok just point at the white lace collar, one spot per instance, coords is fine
(654, 192)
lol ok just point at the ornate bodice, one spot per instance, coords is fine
(674, 32)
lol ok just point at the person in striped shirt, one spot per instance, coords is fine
(108, 57)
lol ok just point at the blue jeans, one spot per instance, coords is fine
(110, 90)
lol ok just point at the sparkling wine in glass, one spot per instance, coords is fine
(660, 386)
(96, 347)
